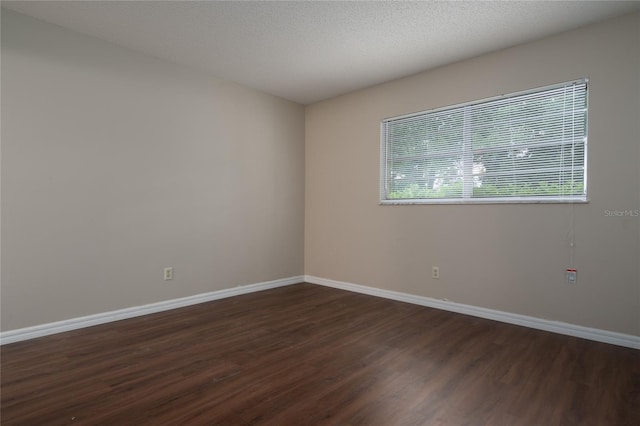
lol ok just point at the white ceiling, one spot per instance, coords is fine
(307, 51)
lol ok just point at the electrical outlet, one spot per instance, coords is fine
(168, 273)
(435, 272)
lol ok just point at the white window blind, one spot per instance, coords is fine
(523, 147)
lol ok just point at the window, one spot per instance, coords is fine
(525, 147)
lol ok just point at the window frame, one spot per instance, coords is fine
(466, 199)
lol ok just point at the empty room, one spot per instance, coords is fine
(320, 213)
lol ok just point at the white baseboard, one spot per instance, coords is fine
(598, 335)
(136, 311)
(507, 317)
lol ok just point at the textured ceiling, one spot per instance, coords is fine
(307, 51)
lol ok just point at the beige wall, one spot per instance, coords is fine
(505, 257)
(116, 164)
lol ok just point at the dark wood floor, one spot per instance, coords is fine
(309, 355)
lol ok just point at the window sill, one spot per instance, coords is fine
(484, 201)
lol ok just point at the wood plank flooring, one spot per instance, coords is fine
(310, 355)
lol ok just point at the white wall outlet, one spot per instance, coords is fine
(168, 273)
(435, 272)
(572, 276)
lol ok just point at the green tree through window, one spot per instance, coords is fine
(528, 146)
